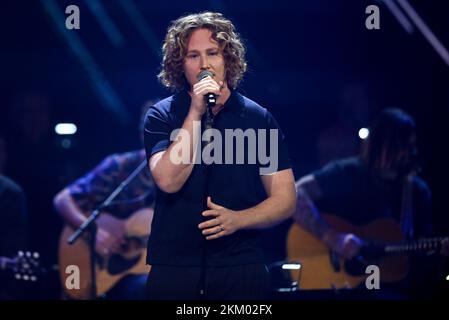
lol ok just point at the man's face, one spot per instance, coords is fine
(404, 160)
(203, 53)
(407, 155)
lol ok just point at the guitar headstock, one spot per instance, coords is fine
(25, 265)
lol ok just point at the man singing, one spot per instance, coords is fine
(208, 215)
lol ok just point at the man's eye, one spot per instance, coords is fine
(192, 56)
(213, 53)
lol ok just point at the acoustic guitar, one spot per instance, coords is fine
(131, 259)
(383, 246)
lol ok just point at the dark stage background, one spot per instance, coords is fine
(313, 64)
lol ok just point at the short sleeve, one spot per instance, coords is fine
(329, 179)
(157, 131)
(275, 156)
(90, 190)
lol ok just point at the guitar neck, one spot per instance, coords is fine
(422, 245)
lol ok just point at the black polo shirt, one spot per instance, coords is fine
(175, 237)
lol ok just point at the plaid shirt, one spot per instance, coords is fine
(93, 188)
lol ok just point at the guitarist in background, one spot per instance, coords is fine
(369, 187)
(88, 192)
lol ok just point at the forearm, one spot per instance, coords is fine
(68, 209)
(308, 216)
(268, 213)
(173, 168)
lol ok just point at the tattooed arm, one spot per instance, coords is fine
(308, 216)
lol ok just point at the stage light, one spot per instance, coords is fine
(65, 128)
(363, 133)
(291, 266)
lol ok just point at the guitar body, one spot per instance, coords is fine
(109, 269)
(320, 271)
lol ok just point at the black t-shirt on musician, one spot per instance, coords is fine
(176, 239)
(351, 191)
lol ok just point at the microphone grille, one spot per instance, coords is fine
(205, 73)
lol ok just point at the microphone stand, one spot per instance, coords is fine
(210, 100)
(208, 123)
(91, 226)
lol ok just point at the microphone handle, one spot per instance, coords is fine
(209, 118)
(211, 99)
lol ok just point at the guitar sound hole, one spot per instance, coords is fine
(355, 267)
(118, 264)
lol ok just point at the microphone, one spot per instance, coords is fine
(210, 98)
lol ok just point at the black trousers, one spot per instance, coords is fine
(243, 282)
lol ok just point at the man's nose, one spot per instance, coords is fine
(204, 63)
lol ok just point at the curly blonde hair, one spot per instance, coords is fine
(175, 44)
